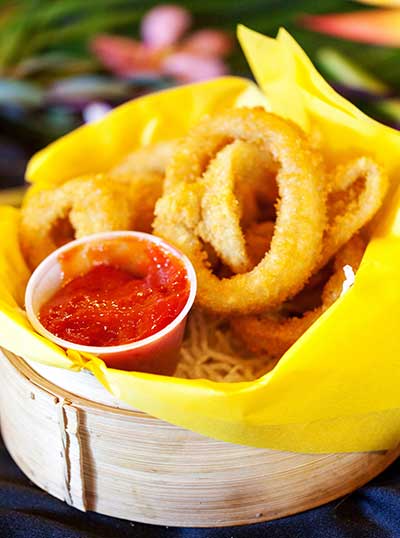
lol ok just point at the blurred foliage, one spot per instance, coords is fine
(44, 54)
(29, 28)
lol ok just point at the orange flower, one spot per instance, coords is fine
(376, 26)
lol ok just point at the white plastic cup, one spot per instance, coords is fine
(158, 353)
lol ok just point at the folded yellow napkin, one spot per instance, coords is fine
(337, 388)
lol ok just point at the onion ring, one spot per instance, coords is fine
(142, 190)
(275, 334)
(151, 158)
(229, 200)
(79, 207)
(301, 210)
(357, 192)
(143, 171)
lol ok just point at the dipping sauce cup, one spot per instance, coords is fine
(157, 353)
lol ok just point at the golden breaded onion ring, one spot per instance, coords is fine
(357, 192)
(297, 240)
(142, 190)
(79, 207)
(229, 198)
(151, 158)
(142, 171)
(275, 334)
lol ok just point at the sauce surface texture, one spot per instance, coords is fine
(112, 306)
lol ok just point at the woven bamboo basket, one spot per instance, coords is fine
(98, 455)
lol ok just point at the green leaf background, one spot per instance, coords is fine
(34, 27)
(42, 42)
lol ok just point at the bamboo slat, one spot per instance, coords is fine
(126, 464)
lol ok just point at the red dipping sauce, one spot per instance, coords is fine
(112, 305)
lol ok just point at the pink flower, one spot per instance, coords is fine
(163, 50)
(187, 67)
(164, 26)
(208, 42)
(124, 56)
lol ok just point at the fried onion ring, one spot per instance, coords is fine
(297, 240)
(230, 185)
(142, 190)
(143, 171)
(151, 158)
(275, 334)
(79, 207)
(357, 192)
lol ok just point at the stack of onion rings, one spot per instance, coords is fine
(301, 209)
(246, 195)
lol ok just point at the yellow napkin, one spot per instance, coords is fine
(337, 388)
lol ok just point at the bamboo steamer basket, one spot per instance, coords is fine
(97, 454)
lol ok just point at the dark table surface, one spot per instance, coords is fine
(27, 512)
